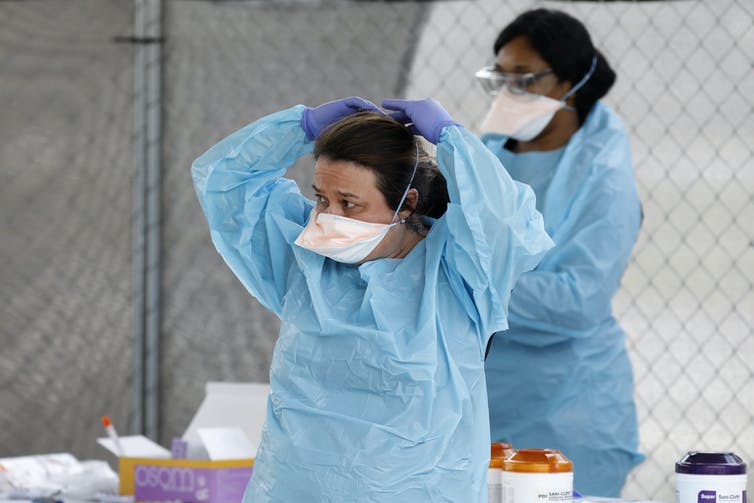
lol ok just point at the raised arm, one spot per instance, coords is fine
(495, 231)
(253, 213)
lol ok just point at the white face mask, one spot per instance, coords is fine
(346, 239)
(520, 117)
(343, 239)
(524, 117)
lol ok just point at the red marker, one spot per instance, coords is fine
(110, 429)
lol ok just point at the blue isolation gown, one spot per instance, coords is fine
(563, 340)
(377, 386)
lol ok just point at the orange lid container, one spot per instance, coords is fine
(496, 463)
(500, 450)
(537, 461)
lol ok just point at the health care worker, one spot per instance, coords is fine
(560, 376)
(377, 389)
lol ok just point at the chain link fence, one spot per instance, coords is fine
(65, 200)
(685, 81)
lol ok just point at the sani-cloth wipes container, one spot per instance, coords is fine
(498, 452)
(495, 481)
(537, 476)
(710, 477)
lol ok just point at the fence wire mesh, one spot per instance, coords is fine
(65, 194)
(685, 80)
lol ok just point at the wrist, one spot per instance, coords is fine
(308, 125)
(437, 131)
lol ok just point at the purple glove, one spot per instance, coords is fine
(318, 118)
(427, 116)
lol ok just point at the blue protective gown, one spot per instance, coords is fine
(377, 377)
(563, 340)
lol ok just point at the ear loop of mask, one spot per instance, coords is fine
(405, 193)
(580, 83)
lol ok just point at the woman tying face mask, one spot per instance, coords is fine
(550, 131)
(387, 287)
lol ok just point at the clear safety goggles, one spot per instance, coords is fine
(520, 84)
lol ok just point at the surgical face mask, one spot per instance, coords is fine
(521, 120)
(346, 239)
(523, 117)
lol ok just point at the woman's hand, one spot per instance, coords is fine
(316, 119)
(427, 116)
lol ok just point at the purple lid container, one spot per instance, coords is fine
(711, 463)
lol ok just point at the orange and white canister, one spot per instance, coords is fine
(498, 452)
(495, 481)
(537, 475)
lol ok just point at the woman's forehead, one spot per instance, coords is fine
(519, 56)
(343, 176)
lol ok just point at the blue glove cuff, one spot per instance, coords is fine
(437, 131)
(307, 124)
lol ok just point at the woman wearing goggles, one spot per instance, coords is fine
(550, 131)
(492, 79)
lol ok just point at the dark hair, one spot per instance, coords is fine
(565, 44)
(385, 146)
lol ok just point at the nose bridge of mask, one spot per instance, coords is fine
(408, 187)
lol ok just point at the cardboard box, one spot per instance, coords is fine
(184, 480)
(213, 473)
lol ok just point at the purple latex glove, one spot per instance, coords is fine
(428, 117)
(316, 119)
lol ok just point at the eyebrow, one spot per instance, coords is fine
(341, 194)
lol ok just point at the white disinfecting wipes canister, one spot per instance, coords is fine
(537, 476)
(494, 482)
(710, 477)
(499, 451)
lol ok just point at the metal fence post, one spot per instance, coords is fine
(146, 221)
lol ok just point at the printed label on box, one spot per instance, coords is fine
(155, 483)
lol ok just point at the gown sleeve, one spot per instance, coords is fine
(254, 214)
(495, 231)
(570, 292)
